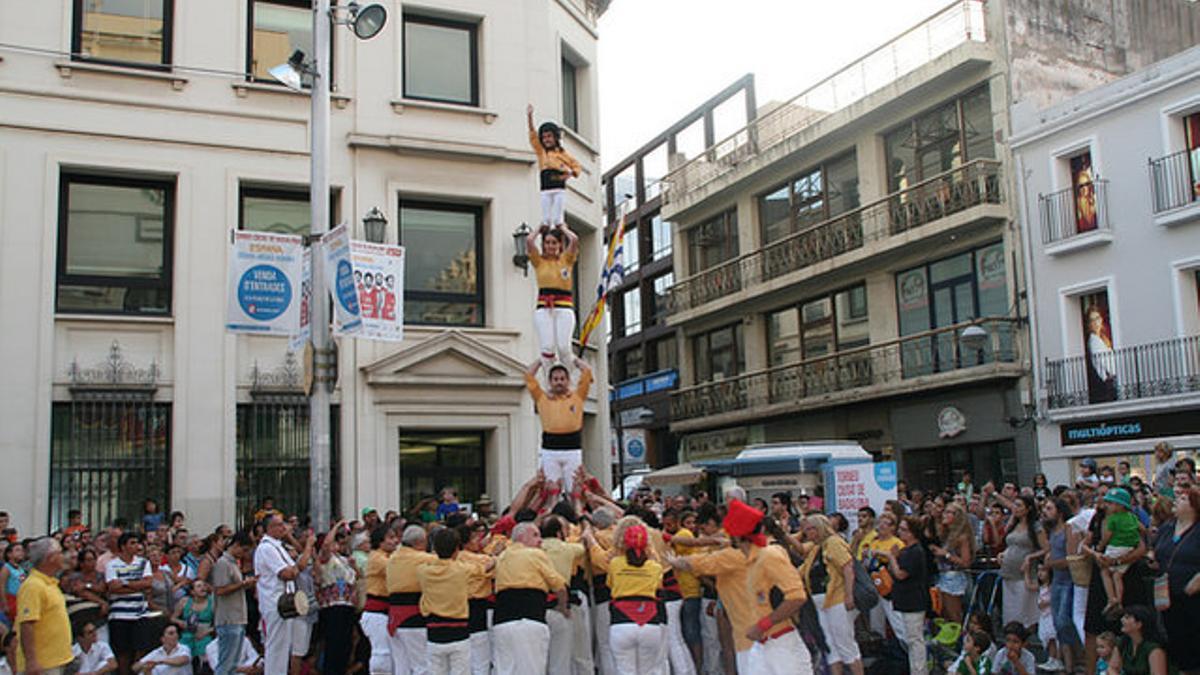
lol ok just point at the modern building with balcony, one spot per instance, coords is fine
(135, 136)
(1110, 202)
(847, 264)
(643, 349)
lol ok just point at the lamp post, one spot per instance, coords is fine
(366, 22)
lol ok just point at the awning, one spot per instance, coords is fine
(680, 474)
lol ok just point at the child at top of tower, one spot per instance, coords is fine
(555, 165)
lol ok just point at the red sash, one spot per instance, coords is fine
(640, 612)
(398, 615)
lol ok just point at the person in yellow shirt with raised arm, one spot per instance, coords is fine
(554, 269)
(555, 166)
(561, 413)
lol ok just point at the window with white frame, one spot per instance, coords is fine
(441, 60)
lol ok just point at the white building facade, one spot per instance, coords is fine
(135, 136)
(1110, 204)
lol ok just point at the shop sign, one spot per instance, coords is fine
(635, 446)
(1131, 428)
(951, 422)
(714, 444)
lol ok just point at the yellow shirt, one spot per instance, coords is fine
(564, 556)
(728, 566)
(402, 569)
(557, 272)
(836, 553)
(864, 543)
(377, 563)
(628, 581)
(771, 569)
(444, 588)
(602, 551)
(890, 545)
(563, 415)
(558, 159)
(41, 603)
(479, 585)
(520, 566)
(689, 585)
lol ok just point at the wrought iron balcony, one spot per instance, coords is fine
(960, 22)
(1175, 180)
(1123, 374)
(946, 194)
(1064, 214)
(934, 358)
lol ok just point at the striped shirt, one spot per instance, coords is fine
(127, 606)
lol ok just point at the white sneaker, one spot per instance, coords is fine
(1052, 665)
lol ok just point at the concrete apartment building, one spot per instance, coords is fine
(1109, 187)
(135, 136)
(848, 265)
(643, 350)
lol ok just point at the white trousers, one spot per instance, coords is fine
(839, 632)
(1079, 610)
(603, 619)
(744, 662)
(554, 204)
(449, 658)
(554, 326)
(784, 655)
(710, 638)
(560, 465)
(277, 641)
(639, 650)
(521, 647)
(408, 647)
(374, 626)
(581, 633)
(301, 635)
(884, 614)
(481, 653)
(562, 639)
(677, 651)
(914, 642)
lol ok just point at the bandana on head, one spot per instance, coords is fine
(504, 526)
(636, 538)
(741, 521)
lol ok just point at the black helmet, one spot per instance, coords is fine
(552, 128)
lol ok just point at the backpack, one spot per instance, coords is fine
(865, 595)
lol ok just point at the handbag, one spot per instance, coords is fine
(1162, 588)
(883, 581)
(865, 594)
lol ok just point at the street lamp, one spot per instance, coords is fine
(375, 226)
(366, 22)
(973, 337)
(520, 252)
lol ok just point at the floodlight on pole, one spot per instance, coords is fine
(290, 74)
(366, 22)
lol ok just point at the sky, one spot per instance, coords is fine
(660, 59)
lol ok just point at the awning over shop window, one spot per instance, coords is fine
(679, 474)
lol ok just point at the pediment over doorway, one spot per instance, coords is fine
(450, 359)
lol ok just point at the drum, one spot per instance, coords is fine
(293, 604)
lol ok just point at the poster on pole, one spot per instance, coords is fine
(339, 275)
(379, 279)
(263, 289)
(297, 340)
(849, 487)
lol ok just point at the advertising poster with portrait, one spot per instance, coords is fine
(1101, 360)
(339, 275)
(379, 282)
(1084, 186)
(265, 284)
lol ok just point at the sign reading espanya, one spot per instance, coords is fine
(264, 288)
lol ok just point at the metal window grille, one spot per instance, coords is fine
(108, 454)
(273, 455)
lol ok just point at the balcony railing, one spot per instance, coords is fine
(960, 22)
(1123, 374)
(885, 368)
(1064, 214)
(946, 194)
(1175, 180)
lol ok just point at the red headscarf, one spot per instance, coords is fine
(636, 539)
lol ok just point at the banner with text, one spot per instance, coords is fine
(379, 280)
(263, 292)
(300, 338)
(849, 487)
(339, 276)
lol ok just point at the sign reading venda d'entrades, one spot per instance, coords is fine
(849, 487)
(265, 284)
